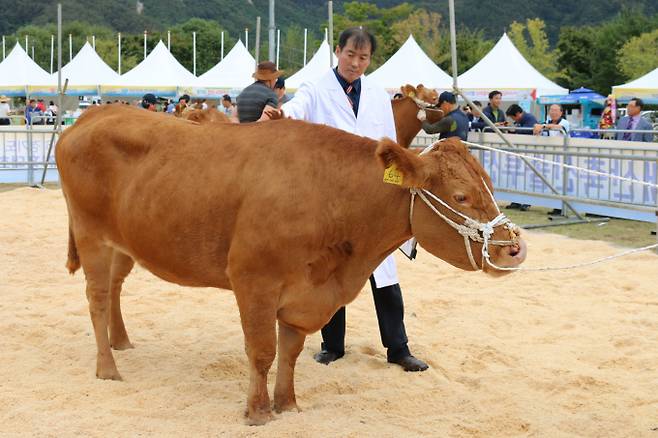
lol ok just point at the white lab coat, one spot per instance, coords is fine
(324, 101)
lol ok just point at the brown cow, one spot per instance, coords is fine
(405, 111)
(210, 115)
(292, 216)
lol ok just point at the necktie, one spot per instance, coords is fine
(627, 135)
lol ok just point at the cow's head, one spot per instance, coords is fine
(421, 93)
(453, 175)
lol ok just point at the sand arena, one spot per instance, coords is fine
(571, 353)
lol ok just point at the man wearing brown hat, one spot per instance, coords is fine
(259, 98)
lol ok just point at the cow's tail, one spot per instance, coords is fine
(73, 260)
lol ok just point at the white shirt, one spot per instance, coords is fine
(557, 132)
(324, 101)
(4, 109)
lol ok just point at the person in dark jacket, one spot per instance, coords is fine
(493, 111)
(522, 119)
(454, 124)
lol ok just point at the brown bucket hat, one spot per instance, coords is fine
(4, 99)
(266, 71)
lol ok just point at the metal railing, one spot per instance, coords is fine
(22, 153)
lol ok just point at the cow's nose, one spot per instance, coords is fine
(514, 250)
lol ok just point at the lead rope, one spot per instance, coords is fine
(471, 230)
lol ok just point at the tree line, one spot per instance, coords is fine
(595, 56)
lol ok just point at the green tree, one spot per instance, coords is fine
(531, 40)
(574, 58)
(639, 55)
(377, 20)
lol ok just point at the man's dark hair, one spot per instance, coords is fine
(494, 93)
(638, 102)
(513, 110)
(477, 103)
(226, 97)
(359, 37)
(280, 83)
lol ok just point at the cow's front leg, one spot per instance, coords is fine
(291, 343)
(258, 316)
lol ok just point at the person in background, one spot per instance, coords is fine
(171, 106)
(182, 106)
(257, 100)
(634, 121)
(228, 108)
(280, 90)
(149, 101)
(493, 110)
(33, 113)
(5, 110)
(454, 124)
(522, 119)
(477, 123)
(556, 125)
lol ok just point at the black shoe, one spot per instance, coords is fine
(327, 356)
(524, 207)
(410, 363)
(513, 206)
(555, 212)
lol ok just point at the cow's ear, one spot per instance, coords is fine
(401, 166)
(408, 90)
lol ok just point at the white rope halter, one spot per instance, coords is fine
(471, 229)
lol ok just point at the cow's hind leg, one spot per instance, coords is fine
(258, 317)
(96, 262)
(122, 264)
(291, 343)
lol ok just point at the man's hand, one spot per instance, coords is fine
(537, 129)
(274, 114)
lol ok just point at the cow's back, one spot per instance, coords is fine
(174, 195)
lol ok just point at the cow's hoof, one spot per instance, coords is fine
(108, 374)
(122, 345)
(258, 418)
(290, 406)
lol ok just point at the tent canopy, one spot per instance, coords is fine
(504, 68)
(314, 68)
(18, 71)
(159, 73)
(645, 87)
(410, 65)
(233, 72)
(576, 96)
(86, 72)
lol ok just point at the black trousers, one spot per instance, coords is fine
(390, 315)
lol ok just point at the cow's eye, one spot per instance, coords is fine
(460, 197)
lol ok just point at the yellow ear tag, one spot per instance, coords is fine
(393, 176)
(412, 94)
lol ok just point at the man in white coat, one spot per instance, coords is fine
(345, 99)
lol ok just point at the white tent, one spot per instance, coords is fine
(505, 69)
(160, 73)
(18, 72)
(86, 72)
(410, 65)
(314, 68)
(645, 87)
(234, 72)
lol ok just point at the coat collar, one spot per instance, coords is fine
(331, 84)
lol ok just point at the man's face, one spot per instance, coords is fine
(446, 107)
(555, 112)
(495, 101)
(517, 117)
(226, 103)
(33, 104)
(353, 62)
(632, 109)
(280, 92)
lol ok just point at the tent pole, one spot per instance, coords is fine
(330, 39)
(278, 46)
(257, 44)
(455, 86)
(194, 53)
(52, 52)
(305, 43)
(119, 51)
(222, 44)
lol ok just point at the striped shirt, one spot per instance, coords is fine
(253, 100)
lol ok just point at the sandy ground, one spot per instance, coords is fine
(570, 353)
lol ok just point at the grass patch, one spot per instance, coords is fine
(620, 232)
